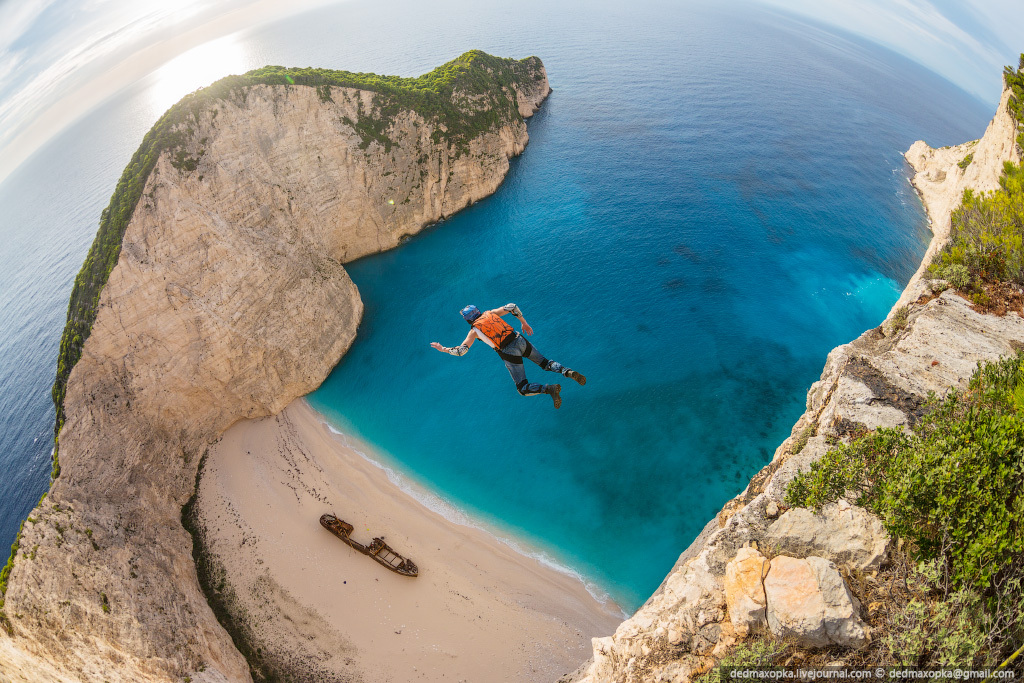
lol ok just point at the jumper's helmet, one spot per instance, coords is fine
(470, 313)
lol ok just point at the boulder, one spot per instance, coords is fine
(808, 602)
(848, 535)
(744, 591)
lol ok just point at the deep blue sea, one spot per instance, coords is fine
(712, 198)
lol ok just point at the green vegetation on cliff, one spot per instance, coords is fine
(1014, 80)
(986, 236)
(953, 489)
(987, 229)
(461, 99)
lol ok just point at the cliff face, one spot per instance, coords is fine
(228, 300)
(941, 181)
(709, 600)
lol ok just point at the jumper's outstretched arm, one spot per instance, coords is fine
(460, 350)
(514, 310)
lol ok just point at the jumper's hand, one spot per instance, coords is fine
(526, 328)
(437, 346)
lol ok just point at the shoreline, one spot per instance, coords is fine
(454, 514)
(480, 605)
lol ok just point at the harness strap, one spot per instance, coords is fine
(509, 358)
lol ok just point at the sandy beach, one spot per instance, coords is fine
(478, 611)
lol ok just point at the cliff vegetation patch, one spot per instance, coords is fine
(985, 250)
(1014, 80)
(952, 491)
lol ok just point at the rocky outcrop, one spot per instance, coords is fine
(744, 591)
(881, 379)
(941, 180)
(229, 299)
(809, 604)
(846, 534)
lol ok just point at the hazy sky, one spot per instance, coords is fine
(60, 58)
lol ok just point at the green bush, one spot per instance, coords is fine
(952, 485)
(987, 232)
(954, 488)
(803, 438)
(966, 161)
(957, 275)
(1014, 80)
(758, 652)
(5, 573)
(947, 631)
(899, 318)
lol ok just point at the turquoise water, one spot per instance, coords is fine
(711, 200)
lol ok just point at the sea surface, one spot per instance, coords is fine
(712, 198)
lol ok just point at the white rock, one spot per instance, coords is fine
(809, 603)
(848, 535)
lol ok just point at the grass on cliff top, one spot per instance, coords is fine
(467, 96)
(954, 490)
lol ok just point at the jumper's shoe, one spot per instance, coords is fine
(572, 374)
(556, 395)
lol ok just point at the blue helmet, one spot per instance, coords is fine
(470, 313)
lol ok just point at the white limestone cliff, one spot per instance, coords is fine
(229, 300)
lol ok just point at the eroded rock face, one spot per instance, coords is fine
(845, 534)
(809, 603)
(229, 300)
(941, 182)
(744, 591)
(880, 379)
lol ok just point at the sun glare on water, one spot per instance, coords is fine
(199, 67)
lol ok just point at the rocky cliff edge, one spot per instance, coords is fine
(723, 587)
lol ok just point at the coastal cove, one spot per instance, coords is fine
(479, 605)
(695, 253)
(694, 246)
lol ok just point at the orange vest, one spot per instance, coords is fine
(494, 328)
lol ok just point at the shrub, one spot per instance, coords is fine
(966, 161)
(987, 232)
(957, 275)
(758, 652)
(1014, 80)
(803, 438)
(5, 573)
(899, 318)
(952, 488)
(948, 631)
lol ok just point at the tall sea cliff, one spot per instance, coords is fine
(216, 291)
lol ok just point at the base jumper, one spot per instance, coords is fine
(512, 347)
